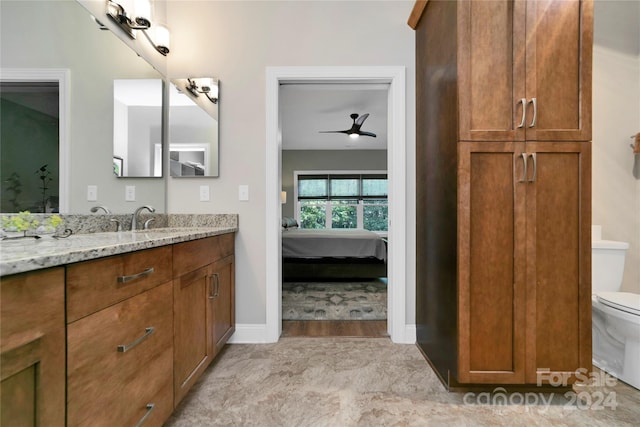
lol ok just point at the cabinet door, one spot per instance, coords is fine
(223, 302)
(32, 344)
(192, 328)
(491, 70)
(558, 259)
(558, 70)
(491, 243)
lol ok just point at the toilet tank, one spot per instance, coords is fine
(607, 264)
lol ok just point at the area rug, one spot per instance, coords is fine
(365, 300)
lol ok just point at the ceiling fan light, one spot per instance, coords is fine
(353, 135)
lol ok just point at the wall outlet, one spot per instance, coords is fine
(204, 193)
(130, 193)
(243, 193)
(92, 193)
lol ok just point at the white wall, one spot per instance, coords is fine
(235, 42)
(616, 116)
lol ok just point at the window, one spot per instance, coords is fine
(342, 200)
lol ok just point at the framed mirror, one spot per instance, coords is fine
(137, 128)
(193, 128)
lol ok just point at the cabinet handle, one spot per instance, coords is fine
(150, 408)
(127, 347)
(125, 279)
(524, 171)
(523, 101)
(535, 168)
(215, 276)
(534, 101)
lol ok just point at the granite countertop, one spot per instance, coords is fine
(22, 255)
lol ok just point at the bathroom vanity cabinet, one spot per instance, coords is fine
(140, 326)
(204, 319)
(503, 163)
(32, 346)
(120, 339)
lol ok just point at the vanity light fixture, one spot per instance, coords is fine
(139, 18)
(207, 86)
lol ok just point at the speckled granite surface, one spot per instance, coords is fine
(21, 255)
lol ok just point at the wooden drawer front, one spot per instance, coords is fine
(189, 256)
(106, 386)
(94, 285)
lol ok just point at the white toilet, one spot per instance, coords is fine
(616, 315)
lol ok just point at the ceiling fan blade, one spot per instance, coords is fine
(367, 134)
(335, 131)
(360, 120)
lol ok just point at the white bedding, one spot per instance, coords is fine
(333, 243)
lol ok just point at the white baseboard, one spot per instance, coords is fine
(409, 334)
(256, 333)
(249, 333)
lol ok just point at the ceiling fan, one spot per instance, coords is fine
(355, 131)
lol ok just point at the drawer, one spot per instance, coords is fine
(189, 256)
(94, 285)
(111, 385)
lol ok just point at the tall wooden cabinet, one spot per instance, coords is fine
(503, 188)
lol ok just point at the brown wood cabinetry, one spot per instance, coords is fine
(120, 345)
(503, 189)
(204, 306)
(32, 349)
(524, 69)
(140, 329)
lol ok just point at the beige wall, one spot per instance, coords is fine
(235, 41)
(616, 116)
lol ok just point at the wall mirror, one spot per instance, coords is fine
(193, 128)
(61, 35)
(137, 127)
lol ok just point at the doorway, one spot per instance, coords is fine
(395, 77)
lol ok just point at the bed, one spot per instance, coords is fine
(332, 254)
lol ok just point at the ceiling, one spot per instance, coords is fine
(307, 108)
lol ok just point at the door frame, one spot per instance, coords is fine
(60, 76)
(396, 162)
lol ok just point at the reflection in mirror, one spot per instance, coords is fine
(61, 37)
(137, 127)
(193, 131)
(29, 114)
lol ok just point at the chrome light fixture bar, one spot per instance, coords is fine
(139, 19)
(208, 87)
(128, 23)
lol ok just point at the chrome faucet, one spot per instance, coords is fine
(134, 218)
(100, 207)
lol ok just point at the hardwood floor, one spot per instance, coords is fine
(334, 328)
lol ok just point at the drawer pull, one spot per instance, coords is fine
(125, 279)
(127, 347)
(217, 286)
(523, 101)
(150, 408)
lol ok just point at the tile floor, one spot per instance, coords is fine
(373, 382)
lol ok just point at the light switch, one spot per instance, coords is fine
(243, 193)
(204, 193)
(130, 193)
(92, 193)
